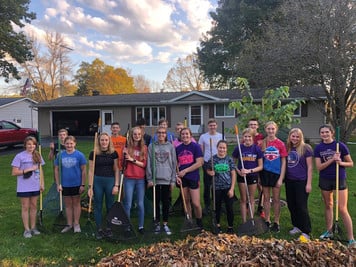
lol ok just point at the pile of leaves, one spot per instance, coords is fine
(207, 249)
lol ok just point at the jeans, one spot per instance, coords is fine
(129, 186)
(102, 187)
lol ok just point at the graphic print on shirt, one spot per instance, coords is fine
(185, 157)
(222, 167)
(293, 159)
(162, 156)
(69, 162)
(327, 154)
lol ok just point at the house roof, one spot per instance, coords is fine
(173, 98)
(12, 100)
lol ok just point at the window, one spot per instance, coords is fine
(195, 115)
(298, 111)
(151, 114)
(223, 110)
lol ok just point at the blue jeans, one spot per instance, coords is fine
(102, 186)
(129, 186)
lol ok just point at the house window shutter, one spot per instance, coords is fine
(168, 115)
(304, 110)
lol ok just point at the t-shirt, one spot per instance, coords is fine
(104, 164)
(223, 168)
(297, 168)
(186, 157)
(204, 140)
(22, 161)
(327, 151)
(250, 157)
(119, 143)
(71, 168)
(133, 171)
(275, 150)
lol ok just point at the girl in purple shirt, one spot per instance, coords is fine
(26, 166)
(326, 159)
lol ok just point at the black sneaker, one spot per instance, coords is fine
(230, 231)
(108, 232)
(141, 231)
(99, 234)
(275, 228)
(268, 224)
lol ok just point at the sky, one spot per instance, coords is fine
(144, 36)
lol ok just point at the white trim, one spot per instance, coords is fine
(194, 93)
(18, 100)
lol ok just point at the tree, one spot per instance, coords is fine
(13, 45)
(235, 23)
(142, 84)
(103, 78)
(313, 43)
(47, 71)
(185, 76)
(274, 106)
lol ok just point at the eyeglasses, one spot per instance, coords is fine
(161, 132)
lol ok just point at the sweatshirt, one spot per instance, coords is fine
(165, 163)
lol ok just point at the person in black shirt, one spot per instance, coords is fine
(105, 171)
(142, 124)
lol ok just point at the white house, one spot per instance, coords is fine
(20, 110)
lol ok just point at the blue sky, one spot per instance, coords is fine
(144, 36)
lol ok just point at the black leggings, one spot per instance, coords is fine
(220, 196)
(162, 195)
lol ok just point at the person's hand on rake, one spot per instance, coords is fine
(115, 190)
(59, 187)
(244, 171)
(179, 180)
(149, 184)
(42, 188)
(90, 192)
(210, 172)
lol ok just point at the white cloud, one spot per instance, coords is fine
(128, 31)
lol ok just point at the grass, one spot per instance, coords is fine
(68, 249)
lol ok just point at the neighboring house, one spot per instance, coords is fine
(20, 110)
(79, 114)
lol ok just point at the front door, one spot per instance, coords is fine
(106, 120)
(195, 118)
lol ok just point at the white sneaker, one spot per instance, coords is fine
(295, 231)
(77, 228)
(34, 231)
(166, 229)
(27, 234)
(66, 229)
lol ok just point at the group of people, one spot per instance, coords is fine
(164, 161)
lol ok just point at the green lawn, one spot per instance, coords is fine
(64, 249)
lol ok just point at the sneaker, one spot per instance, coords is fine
(77, 228)
(352, 243)
(230, 230)
(219, 231)
(326, 235)
(157, 228)
(27, 234)
(34, 231)
(66, 229)
(304, 238)
(295, 231)
(99, 234)
(141, 231)
(166, 229)
(268, 224)
(108, 232)
(275, 228)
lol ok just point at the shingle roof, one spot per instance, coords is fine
(7, 100)
(211, 96)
